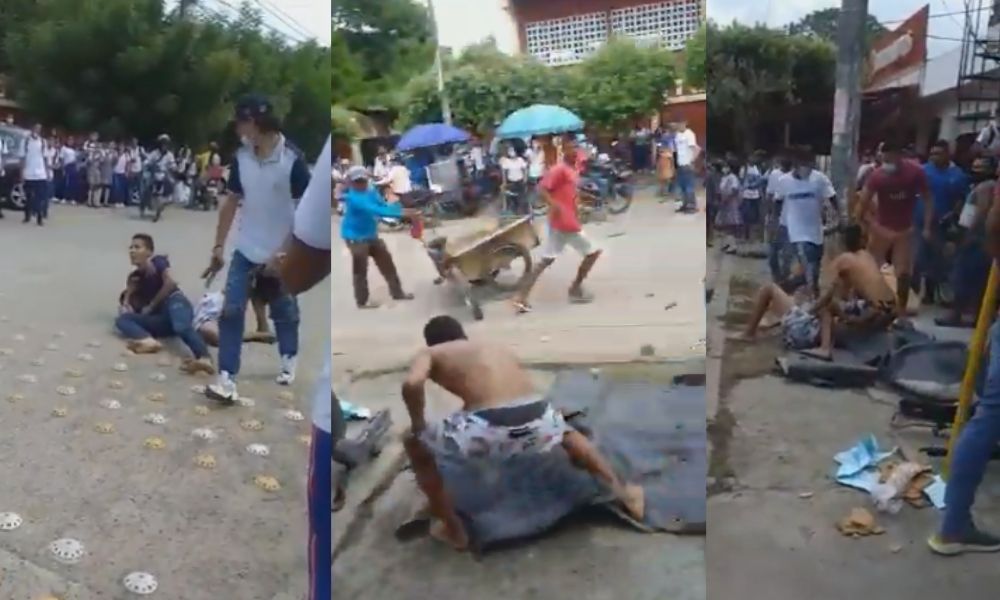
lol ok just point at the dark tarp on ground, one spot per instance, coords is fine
(653, 434)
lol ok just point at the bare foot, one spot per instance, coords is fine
(145, 346)
(634, 499)
(456, 539)
(200, 365)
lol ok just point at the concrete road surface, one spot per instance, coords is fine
(648, 288)
(205, 534)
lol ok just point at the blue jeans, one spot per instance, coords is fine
(174, 317)
(974, 447)
(284, 314)
(685, 183)
(777, 256)
(320, 519)
(810, 255)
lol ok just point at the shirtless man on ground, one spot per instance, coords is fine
(857, 297)
(502, 416)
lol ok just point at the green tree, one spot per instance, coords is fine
(758, 75)
(388, 42)
(126, 68)
(619, 83)
(14, 15)
(823, 25)
(694, 59)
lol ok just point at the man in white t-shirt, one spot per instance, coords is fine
(35, 172)
(397, 178)
(803, 193)
(382, 163)
(777, 234)
(536, 160)
(306, 264)
(687, 153)
(515, 170)
(267, 178)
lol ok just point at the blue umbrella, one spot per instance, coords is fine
(538, 119)
(430, 134)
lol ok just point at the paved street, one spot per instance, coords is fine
(205, 534)
(774, 503)
(653, 258)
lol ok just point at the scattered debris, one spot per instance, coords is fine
(154, 443)
(120, 367)
(258, 449)
(251, 425)
(267, 483)
(859, 523)
(111, 404)
(104, 428)
(60, 411)
(66, 390)
(895, 548)
(158, 377)
(116, 384)
(294, 415)
(806, 495)
(155, 419)
(205, 461)
(647, 350)
(204, 433)
(670, 305)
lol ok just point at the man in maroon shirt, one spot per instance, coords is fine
(558, 189)
(896, 185)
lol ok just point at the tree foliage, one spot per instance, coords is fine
(822, 24)
(757, 75)
(126, 68)
(380, 45)
(694, 59)
(617, 84)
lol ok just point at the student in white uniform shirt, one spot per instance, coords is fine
(35, 171)
(397, 180)
(307, 264)
(514, 170)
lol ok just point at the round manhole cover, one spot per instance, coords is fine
(76, 373)
(27, 378)
(158, 377)
(85, 357)
(10, 521)
(116, 384)
(156, 397)
(140, 583)
(111, 404)
(154, 443)
(60, 411)
(120, 367)
(204, 433)
(267, 483)
(67, 550)
(251, 425)
(205, 461)
(66, 390)
(155, 419)
(104, 428)
(294, 415)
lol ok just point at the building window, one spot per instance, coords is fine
(668, 24)
(567, 40)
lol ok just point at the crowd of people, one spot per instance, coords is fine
(101, 173)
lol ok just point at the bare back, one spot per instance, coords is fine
(862, 274)
(482, 375)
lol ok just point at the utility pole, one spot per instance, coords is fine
(445, 107)
(847, 101)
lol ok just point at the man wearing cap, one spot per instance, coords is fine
(267, 178)
(363, 206)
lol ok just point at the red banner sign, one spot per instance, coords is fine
(897, 57)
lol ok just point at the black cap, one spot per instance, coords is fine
(252, 107)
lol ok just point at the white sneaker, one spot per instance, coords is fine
(287, 375)
(224, 389)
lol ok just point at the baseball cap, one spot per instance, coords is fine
(252, 106)
(357, 173)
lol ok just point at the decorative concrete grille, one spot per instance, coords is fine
(669, 24)
(567, 40)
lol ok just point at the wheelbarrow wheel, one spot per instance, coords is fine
(510, 266)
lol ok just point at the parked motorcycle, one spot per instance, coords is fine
(603, 186)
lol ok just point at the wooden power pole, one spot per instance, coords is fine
(851, 34)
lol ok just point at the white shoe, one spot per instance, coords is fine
(224, 389)
(287, 374)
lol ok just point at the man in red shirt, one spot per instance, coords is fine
(897, 185)
(559, 190)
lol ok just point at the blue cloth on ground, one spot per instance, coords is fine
(858, 464)
(353, 412)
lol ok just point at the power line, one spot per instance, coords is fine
(951, 14)
(235, 10)
(284, 18)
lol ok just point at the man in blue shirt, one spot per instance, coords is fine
(949, 185)
(363, 206)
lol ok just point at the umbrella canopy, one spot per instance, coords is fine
(539, 119)
(430, 134)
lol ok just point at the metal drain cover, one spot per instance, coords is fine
(111, 404)
(10, 521)
(158, 377)
(67, 550)
(140, 583)
(66, 390)
(258, 449)
(120, 367)
(204, 433)
(294, 415)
